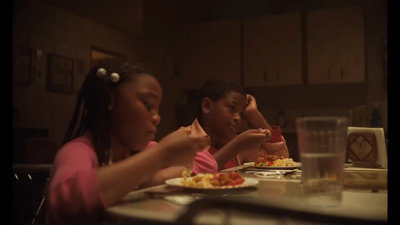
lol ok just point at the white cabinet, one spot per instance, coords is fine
(212, 51)
(272, 50)
(335, 45)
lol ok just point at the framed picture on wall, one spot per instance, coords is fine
(60, 74)
(22, 65)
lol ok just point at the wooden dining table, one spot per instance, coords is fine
(277, 200)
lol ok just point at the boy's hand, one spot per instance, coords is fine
(251, 139)
(251, 105)
(253, 116)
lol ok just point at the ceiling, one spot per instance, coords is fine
(125, 15)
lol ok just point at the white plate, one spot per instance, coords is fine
(276, 172)
(248, 182)
(252, 165)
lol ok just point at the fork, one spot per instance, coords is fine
(286, 173)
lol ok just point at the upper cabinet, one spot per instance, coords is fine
(335, 46)
(212, 51)
(272, 50)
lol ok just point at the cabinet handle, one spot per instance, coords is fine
(341, 72)
(328, 74)
(277, 75)
(265, 76)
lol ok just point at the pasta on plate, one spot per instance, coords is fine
(275, 161)
(213, 180)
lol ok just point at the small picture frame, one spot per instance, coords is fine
(60, 74)
(22, 65)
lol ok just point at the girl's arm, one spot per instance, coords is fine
(79, 189)
(203, 163)
(122, 177)
(161, 176)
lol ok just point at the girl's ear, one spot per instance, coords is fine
(205, 105)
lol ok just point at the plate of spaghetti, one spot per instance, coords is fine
(274, 162)
(213, 181)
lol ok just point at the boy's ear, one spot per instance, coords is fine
(205, 105)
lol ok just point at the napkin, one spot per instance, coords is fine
(366, 147)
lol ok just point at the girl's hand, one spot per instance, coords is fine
(180, 147)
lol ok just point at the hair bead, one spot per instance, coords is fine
(114, 77)
(101, 72)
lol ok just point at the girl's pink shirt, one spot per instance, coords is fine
(73, 196)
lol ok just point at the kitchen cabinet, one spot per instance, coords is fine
(335, 45)
(212, 51)
(272, 50)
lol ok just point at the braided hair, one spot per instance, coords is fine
(94, 100)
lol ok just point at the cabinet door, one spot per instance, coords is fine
(287, 44)
(353, 46)
(272, 50)
(255, 51)
(212, 51)
(335, 45)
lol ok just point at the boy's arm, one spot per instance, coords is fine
(246, 141)
(275, 146)
(226, 153)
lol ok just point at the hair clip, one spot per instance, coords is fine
(101, 72)
(114, 77)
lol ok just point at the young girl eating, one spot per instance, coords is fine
(102, 159)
